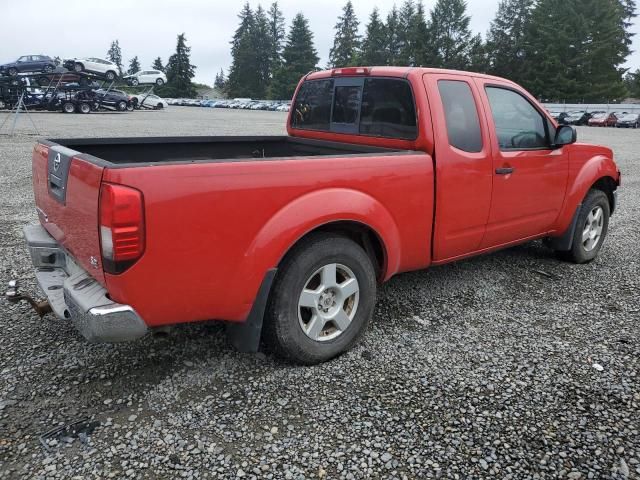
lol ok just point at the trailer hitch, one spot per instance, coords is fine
(13, 296)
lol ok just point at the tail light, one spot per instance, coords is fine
(121, 227)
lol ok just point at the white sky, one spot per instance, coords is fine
(148, 28)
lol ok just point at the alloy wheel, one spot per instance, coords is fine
(592, 230)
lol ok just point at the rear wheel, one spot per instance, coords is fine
(68, 107)
(110, 75)
(159, 82)
(13, 71)
(48, 69)
(130, 107)
(121, 106)
(159, 106)
(321, 301)
(84, 108)
(591, 228)
(135, 82)
(78, 67)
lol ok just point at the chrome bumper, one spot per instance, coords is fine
(75, 295)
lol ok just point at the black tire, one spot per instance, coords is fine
(579, 253)
(129, 106)
(135, 82)
(283, 332)
(159, 82)
(110, 75)
(13, 72)
(84, 108)
(78, 67)
(48, 69)
(43, 81)
(121, 106)
(159, 106)
(68, 107)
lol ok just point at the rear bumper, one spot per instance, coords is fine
(75, 295)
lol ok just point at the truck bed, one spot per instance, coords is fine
(136, 151)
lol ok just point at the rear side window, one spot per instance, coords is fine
(312, 109)
(388, 109)
(461, 115)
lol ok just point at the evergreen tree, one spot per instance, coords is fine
(244, 78)
(420, 52)
(393, 28)
(575, 50)
(220, 80)
(374, 43)
(478, 55)
(180, 71)
(157, 64)
(506, 39)
(632, 83)
(406, 53)
(276, 35)
(346, 44)
(134, 65)
(114, 54)
(299, 58)
(261, 53)
(450, 35)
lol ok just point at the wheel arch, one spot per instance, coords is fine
(608, 185)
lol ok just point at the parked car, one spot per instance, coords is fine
(29, 64)
(628, 120)
(94, 65)
(577, 118)
(144, 77)
(149, 101)
(603, 120)
(359, 191)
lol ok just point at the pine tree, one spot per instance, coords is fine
(134, 65)
(507, 38)
(421, 54)
(180, 71)
(393, 37)
(220, 80)
(632, 82)
(450, 35)
(406, 53)
(262, 51)
(276, 36)
(374, 43)
(299, 58)
(346, 44)
(478, 55)
(157, 64)
(114, 54)
(575, 50)
(243, 66)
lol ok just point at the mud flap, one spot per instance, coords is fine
(565, 242)
(245, 336)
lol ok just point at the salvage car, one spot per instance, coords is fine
(577, 118)
(137, 234)
(29, 64)
(628, 120)
(146, 77)
(603, 119)
(97, 66)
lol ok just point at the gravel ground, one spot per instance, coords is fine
(511, 365)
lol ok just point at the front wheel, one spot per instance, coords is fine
(110, 75)
(121, 106)
(78, 67)
(159, 82)
(591, 228)
(13, 72)
(322, 299)
(135, 82)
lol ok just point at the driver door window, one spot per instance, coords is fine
(519, 126)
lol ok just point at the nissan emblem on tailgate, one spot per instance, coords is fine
(56, 163)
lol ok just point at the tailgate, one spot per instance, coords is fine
(66, 186)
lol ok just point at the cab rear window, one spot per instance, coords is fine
(381, 107)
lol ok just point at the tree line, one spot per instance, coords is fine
(179, 69)
(560, 50)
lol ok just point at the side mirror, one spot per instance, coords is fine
(565, 135)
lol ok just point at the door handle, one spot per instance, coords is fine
(504, 170)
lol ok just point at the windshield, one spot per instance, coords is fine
(598, 116)
(628, 116)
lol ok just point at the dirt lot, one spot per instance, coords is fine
(511, 365)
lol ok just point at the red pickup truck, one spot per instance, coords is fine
(383, 170)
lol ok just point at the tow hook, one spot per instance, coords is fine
(13, 296)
